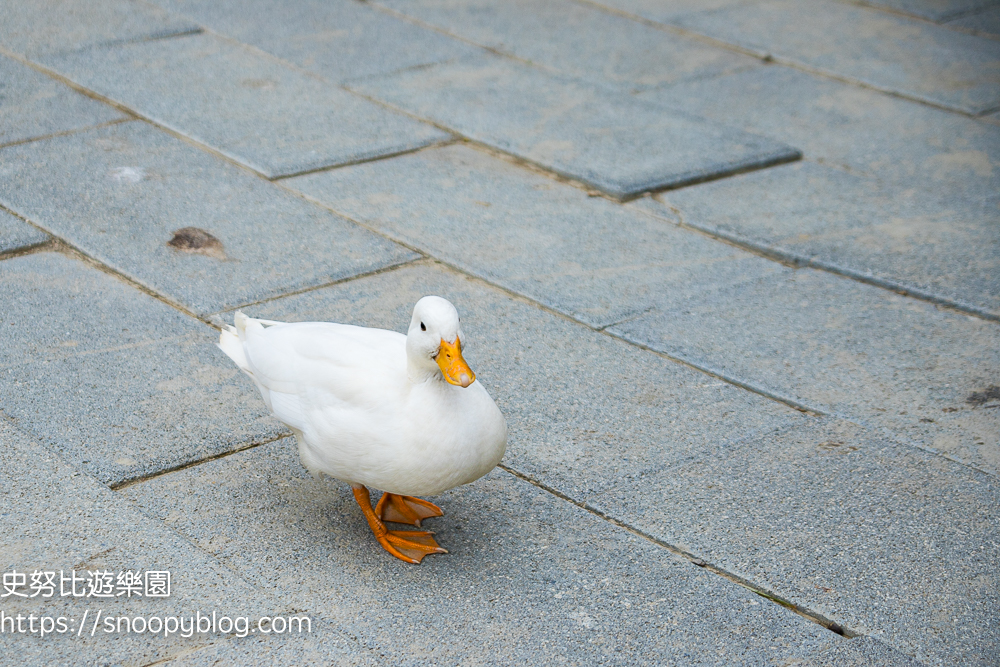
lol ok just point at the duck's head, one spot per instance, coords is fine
(434, 343)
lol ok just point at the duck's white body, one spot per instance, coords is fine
(365, 406)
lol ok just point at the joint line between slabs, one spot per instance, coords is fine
(139, 39)
(42, 246)
(774, 161)
(118, 486)
(941, 22)
(420, 23)
(66, 133)
(806, 613)
(351, 163)
(368, 274)
(795, 260)
(747, 386)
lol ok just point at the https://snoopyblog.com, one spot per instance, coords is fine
(107, 586)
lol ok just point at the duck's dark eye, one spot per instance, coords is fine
(422, 327)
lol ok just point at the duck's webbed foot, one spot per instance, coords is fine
(410, 545)
(405, 509)
(407, 545)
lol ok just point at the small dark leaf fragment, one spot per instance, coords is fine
(197, 241)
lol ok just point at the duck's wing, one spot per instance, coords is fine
(305, 369)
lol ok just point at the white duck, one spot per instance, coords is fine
(372, 407)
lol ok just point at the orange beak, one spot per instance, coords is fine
(453, 366)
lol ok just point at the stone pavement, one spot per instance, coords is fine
(730, 268)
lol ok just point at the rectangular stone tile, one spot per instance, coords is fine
(867, 132)
(44, 26)
(57, 519)
(584, 410)
(581, 255)
(945, 248)
(853, 349)
(277, 120)
(886, 540)
(120, 193)
(610, 141)
(116, 381)
(16, 233)
(33, 105)
(578, 39)
(338, 40)
(934, 10)
(529, 577)
(986, 22)
(911, 57)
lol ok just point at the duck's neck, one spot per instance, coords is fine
(419, 373)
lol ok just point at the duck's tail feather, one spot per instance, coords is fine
(232, 338)
(230, 343)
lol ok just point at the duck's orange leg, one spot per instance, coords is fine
(405, 509)
(408, 545)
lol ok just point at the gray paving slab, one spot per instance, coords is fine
(182, 83)
(45, 26)
(119, 194)
(944, 248)
(859, 130)
(119, 383)
(16, 234)
(612, 142)
(529, 577)
(325, 645)
(845, 347)
(34, 105)
(338, 40)
(986, 22)
(57, 519)
(582, 255)
(933, 10)
(908, 56)
(860, 652)
(584, 410)
(887, 540)
(578, 39)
